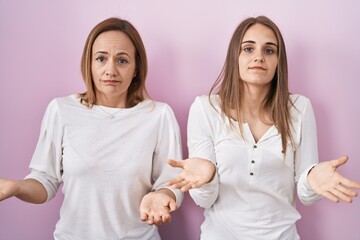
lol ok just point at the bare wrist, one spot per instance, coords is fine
(167, 192)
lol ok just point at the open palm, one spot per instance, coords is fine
(326, 181)
(196, 172)
(155, 208)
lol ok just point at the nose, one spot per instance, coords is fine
(110, 69)
(259, 57)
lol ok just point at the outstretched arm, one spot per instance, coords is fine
(29, 190)
(326, 181)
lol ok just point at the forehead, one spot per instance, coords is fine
(260, 33)
(113, 40)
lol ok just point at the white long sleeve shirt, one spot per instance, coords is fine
(106, 165)
(253, 194)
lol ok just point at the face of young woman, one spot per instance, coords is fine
(258, 58)
(113, 67)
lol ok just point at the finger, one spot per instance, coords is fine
(166, 218)
(180, 184)
(341, 196)
(340, 161)
(346, 191)
(177, 164)
(187, 187)
(175, 181)
(150, 220)
(157, 219)
(330, 196)
(191, 185)
(143, 216)
(172, 206)
(349, 183)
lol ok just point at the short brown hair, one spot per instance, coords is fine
(136, 90)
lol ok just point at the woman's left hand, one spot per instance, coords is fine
(155, 208)
(324, 180)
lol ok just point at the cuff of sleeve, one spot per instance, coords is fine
(50, 188)
(206, 195)
(209, 187)
(306, 194)
(179, 195)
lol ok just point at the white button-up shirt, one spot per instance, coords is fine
(253, 194)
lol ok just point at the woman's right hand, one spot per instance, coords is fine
(196, 172)
(8, 188)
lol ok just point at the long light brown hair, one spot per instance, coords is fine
(136, 91)
(230, 88)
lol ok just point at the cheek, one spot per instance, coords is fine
(242, 69)
(273, 67)
(94, 72)
(241, 64)
(129, 74)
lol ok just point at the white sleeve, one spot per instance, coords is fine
(200, 144)
(168, 147)
(306, 156)
(46, 161)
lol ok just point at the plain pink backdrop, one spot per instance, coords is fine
(41, 44)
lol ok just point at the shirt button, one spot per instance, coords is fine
(252, 161)
(251, 173)
(255, 146)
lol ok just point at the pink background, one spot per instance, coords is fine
(186, 41)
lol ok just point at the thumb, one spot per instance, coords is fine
(173, 163)
(340, 161)
(172, 205)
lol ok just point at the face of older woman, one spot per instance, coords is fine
(113, 67)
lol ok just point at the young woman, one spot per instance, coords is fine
(107, 146)
(252, 144)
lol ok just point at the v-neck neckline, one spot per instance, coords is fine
(271, 131)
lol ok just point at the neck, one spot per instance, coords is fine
(110, 101)
(252, 99)
(253, 96)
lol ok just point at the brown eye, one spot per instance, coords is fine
(248, 49)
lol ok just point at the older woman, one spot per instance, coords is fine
(108, 146)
